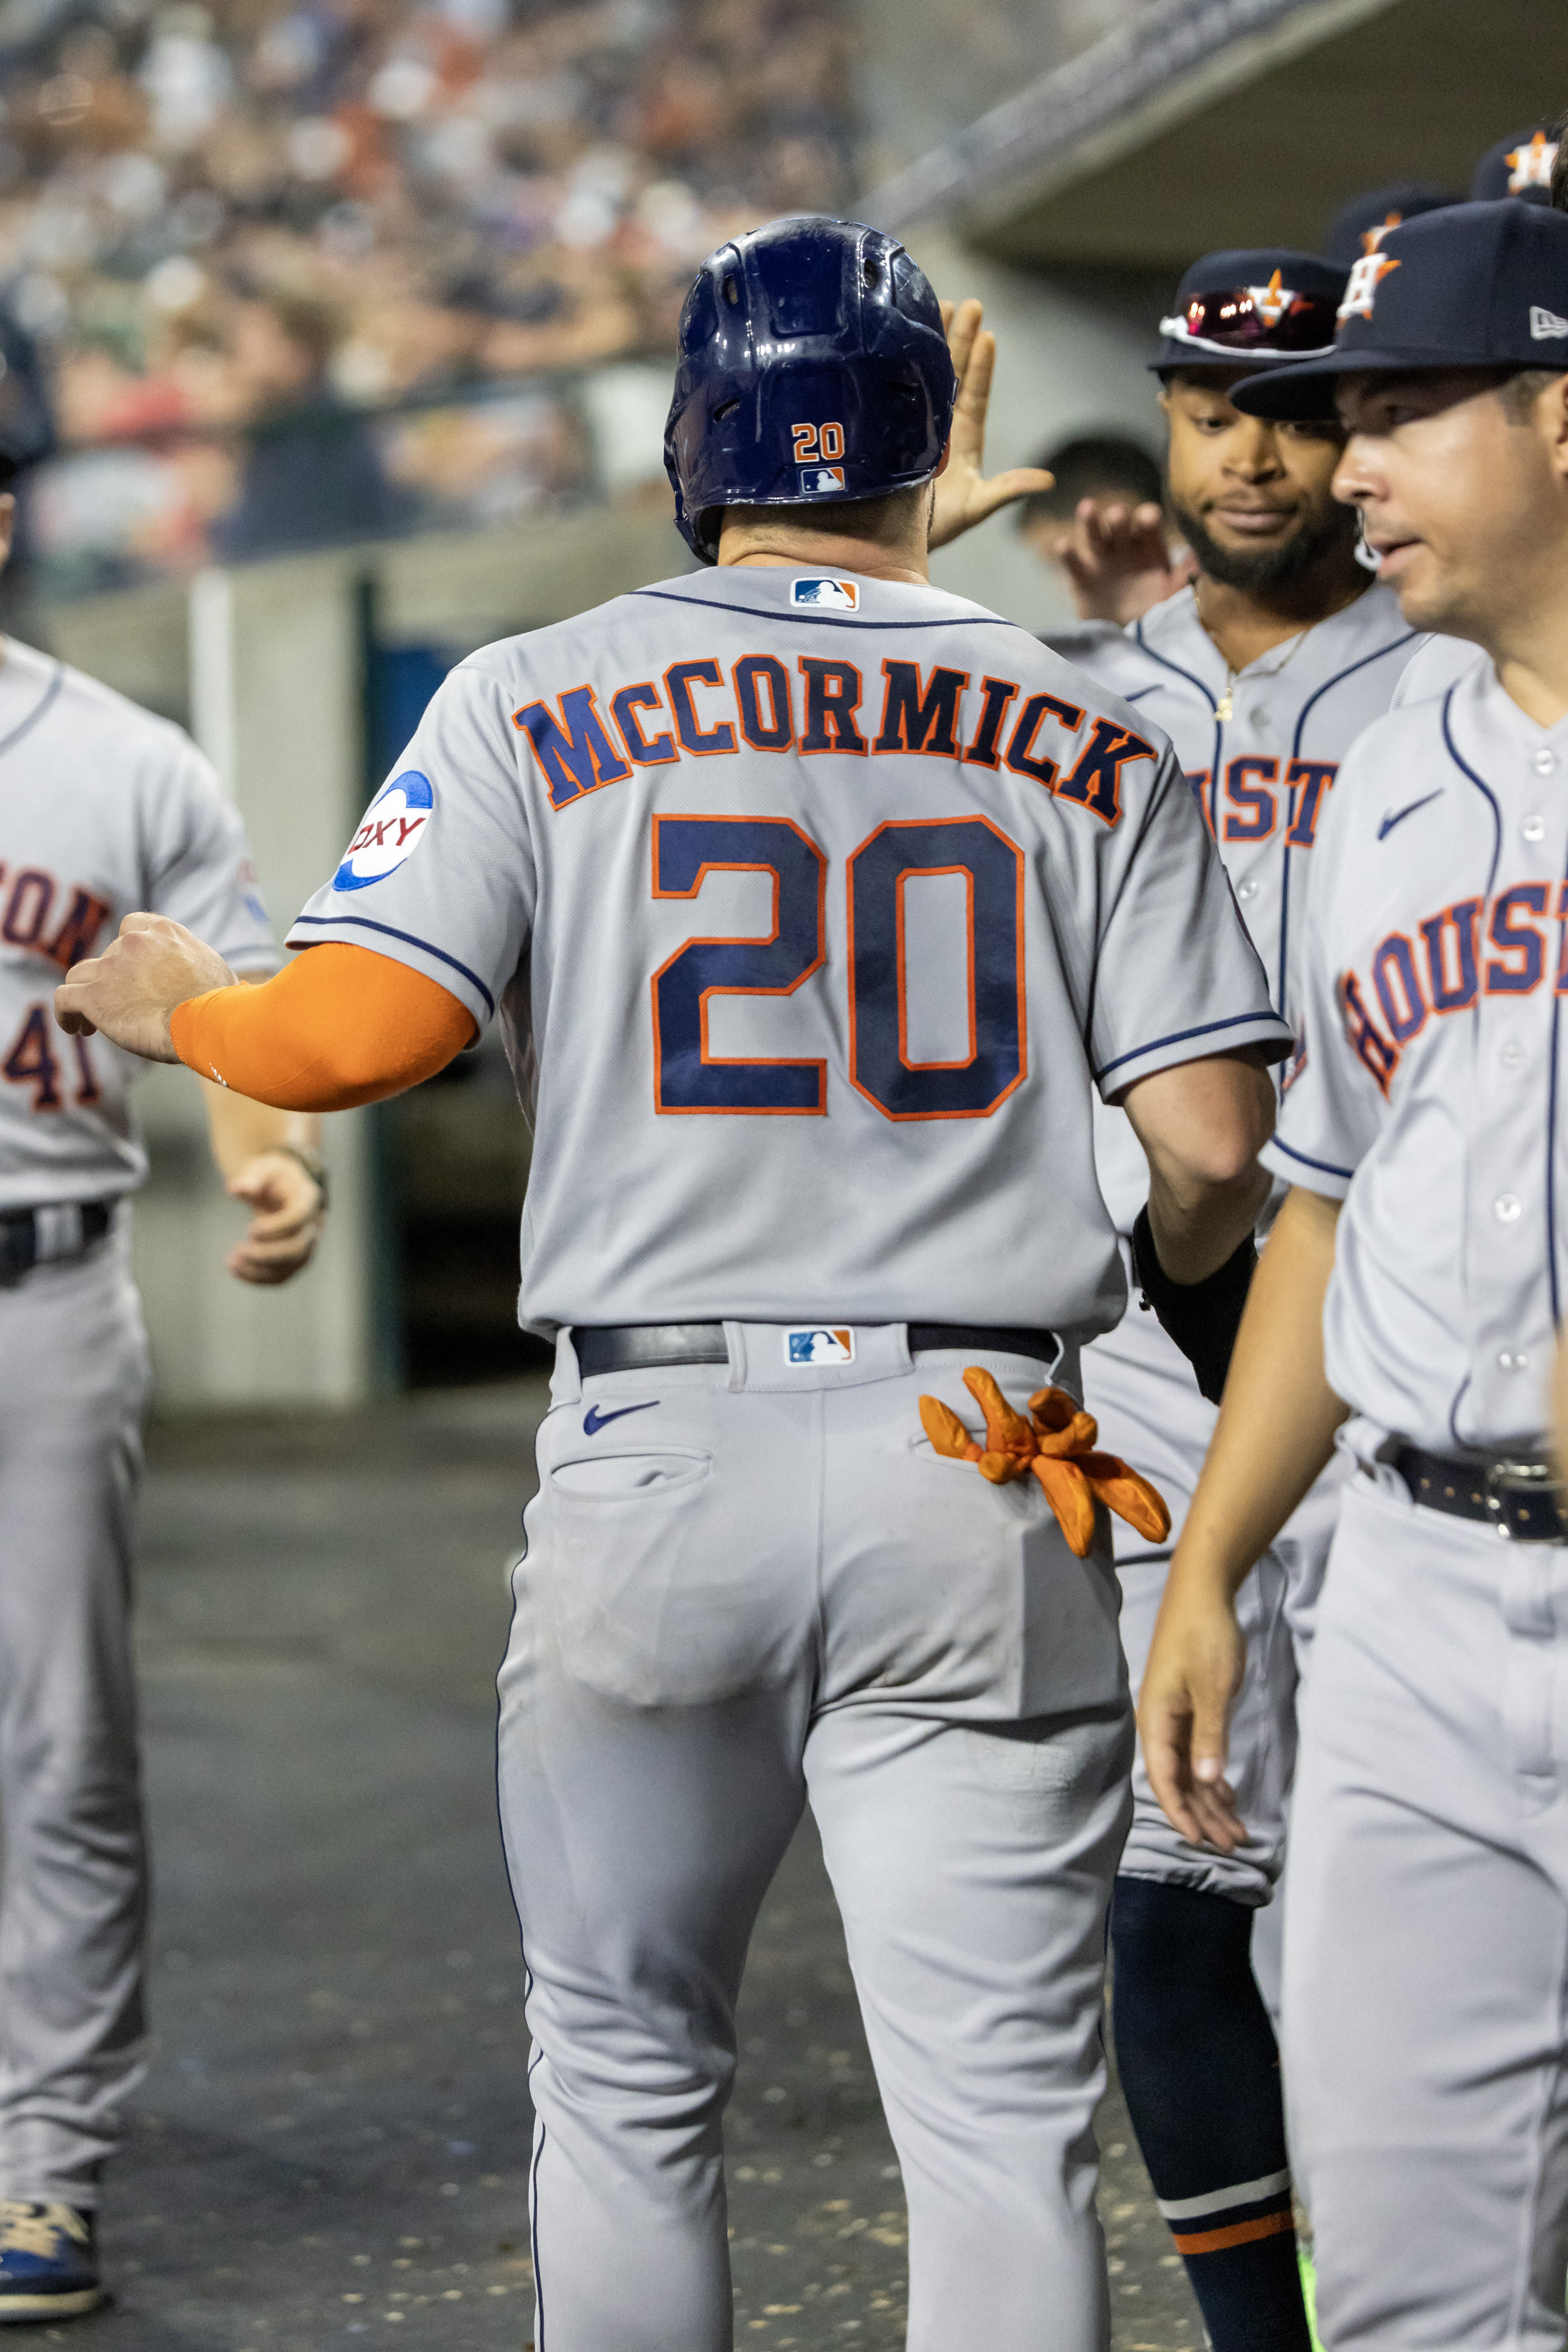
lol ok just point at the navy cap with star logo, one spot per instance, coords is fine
(1519, 166)
(1362, 222)
(1258, 306)
(1481, 285)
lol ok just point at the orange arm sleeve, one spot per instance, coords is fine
(337, 1026)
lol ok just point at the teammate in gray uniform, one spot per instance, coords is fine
(817, 906)
(104, 809)
(1413, 1283)
(1262, 672)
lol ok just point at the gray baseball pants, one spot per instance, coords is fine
(73, 1892)
(1426, 1935)
(756, 1588)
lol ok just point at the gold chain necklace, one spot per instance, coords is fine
(1224, 709)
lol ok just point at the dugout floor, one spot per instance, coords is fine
(333, 2140)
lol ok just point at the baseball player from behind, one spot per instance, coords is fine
(1262, 672)
(817, 905)
(105, 810)
(1414, 1280)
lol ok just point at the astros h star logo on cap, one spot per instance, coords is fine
(1530, 166)
(1272, 301)
(1371, 239)
(1362, 290)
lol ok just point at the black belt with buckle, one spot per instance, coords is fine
(640, 1347)
(1516, 1494)
(30, 1237)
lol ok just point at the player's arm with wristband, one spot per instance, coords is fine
(1279, 1416)
(1276, 1434)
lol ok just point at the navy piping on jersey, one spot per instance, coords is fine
(1339, 678)
(1180, 1036)
(828, 621)
(365, 923)
(1481, 786)
(1218, 755)
(1306, 1161)
(1552, 1133)
(25, 726)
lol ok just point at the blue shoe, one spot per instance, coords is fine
(48, 2269)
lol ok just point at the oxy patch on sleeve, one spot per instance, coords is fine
(389, 833)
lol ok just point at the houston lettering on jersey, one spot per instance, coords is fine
(1445, 963)
(1252, 786)
(51, 918)
(697, 712)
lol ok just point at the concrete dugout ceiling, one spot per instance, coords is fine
(1205, 123)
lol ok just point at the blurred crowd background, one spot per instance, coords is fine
(295, 274)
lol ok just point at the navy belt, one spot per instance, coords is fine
(30, 1237)
(1519, 1495)
(640, 1347)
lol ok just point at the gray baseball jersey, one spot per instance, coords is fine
(1425, 2040)
(1437, 892)
(105, 811)
(1262, 775)
(857, 860)
(1438, 664)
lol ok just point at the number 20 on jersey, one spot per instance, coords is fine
(688, 1077)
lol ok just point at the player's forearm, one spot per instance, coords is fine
(1197, 1224)
(337, 1027)
(239, 1128)
(1276, 1423)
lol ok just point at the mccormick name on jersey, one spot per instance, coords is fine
(1438, 967)
(704, 709)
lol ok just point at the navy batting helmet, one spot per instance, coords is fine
(812, 368)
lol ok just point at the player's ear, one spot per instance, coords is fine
(946, 454)
(1554, 418)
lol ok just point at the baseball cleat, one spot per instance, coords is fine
(1308, 2270)
(48, 2269)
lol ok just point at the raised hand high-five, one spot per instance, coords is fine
(964, 495)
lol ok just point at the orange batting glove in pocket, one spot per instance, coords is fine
(1058, 1444)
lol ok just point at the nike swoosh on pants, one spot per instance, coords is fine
(594, 1420)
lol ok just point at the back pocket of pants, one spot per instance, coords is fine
(628, 1477)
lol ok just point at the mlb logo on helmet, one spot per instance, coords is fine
(389, 833)
(817, 1346)
(833, 595)
(816, 480)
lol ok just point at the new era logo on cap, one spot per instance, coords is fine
(819, 1346)
(832, 595)
(1545, 326)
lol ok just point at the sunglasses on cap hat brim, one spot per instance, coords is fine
(1234, 324)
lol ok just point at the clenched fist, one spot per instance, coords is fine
(128, 993)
